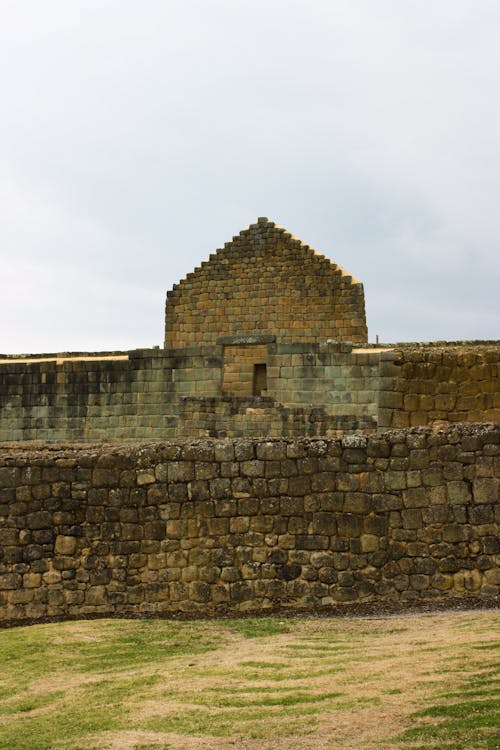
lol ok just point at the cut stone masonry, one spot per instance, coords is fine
(267, 337)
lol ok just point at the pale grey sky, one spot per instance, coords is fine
(137, 137)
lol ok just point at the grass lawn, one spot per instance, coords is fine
(417, 682)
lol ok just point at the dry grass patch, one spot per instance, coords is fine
(426, 681)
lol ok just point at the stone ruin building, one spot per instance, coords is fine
(265, 338)
(233, 481)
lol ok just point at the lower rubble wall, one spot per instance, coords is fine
(216, 525)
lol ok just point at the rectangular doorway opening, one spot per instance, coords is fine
(259, 379)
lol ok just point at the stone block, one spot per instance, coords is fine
(344, 594)
(311, 541)
(9, 476)
(155, 530)
(391, 400)
(244, 450)
(369, 543)
(412, 518)
(415, 497)
(248, 506)
(271, 451)
(9, 537)
(241, 591)
(65, 545)
(239, 524)
(459, 492)
(206, 470)
(376, 524)
(104, 477)
(437, 495)
(492, 577)
(10, 581)
(218, 526)
(146, 476)
(349, 525)
(161, 472)
(220, 488)
(481, 514)
(299, 486)
(324, 523)
(96, 596)
(357, 502)
(253, 468)
(456, 533)
(224, 451)
(395, 480)
(180, 471)
(198, 490)
(485, 490)
(323, 482)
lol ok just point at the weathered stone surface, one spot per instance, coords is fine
(65, 545)
(244, 542)
(486, 490)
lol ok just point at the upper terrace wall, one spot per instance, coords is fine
(134, 396)
(425, 384)
(202, 526)
(266, 281)
(160, 394)
(311, 390)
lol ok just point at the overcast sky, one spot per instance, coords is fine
(137, 137)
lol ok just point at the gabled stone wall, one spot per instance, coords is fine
(265, 281)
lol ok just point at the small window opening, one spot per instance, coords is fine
(259, 379)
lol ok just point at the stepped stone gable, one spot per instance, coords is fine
(265, 281)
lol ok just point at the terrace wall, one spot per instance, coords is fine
(429, 384)
(311, 390)
(157, 394)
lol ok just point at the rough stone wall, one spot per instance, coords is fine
(265, 281)
(426, 384)
(238, 525)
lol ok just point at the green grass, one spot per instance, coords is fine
(264, 664)
(26, 705)
(63, 685)
(29, 654)
(116, 645)
(281, 699)
(461, 726)
(470, 717)
(259, 627)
